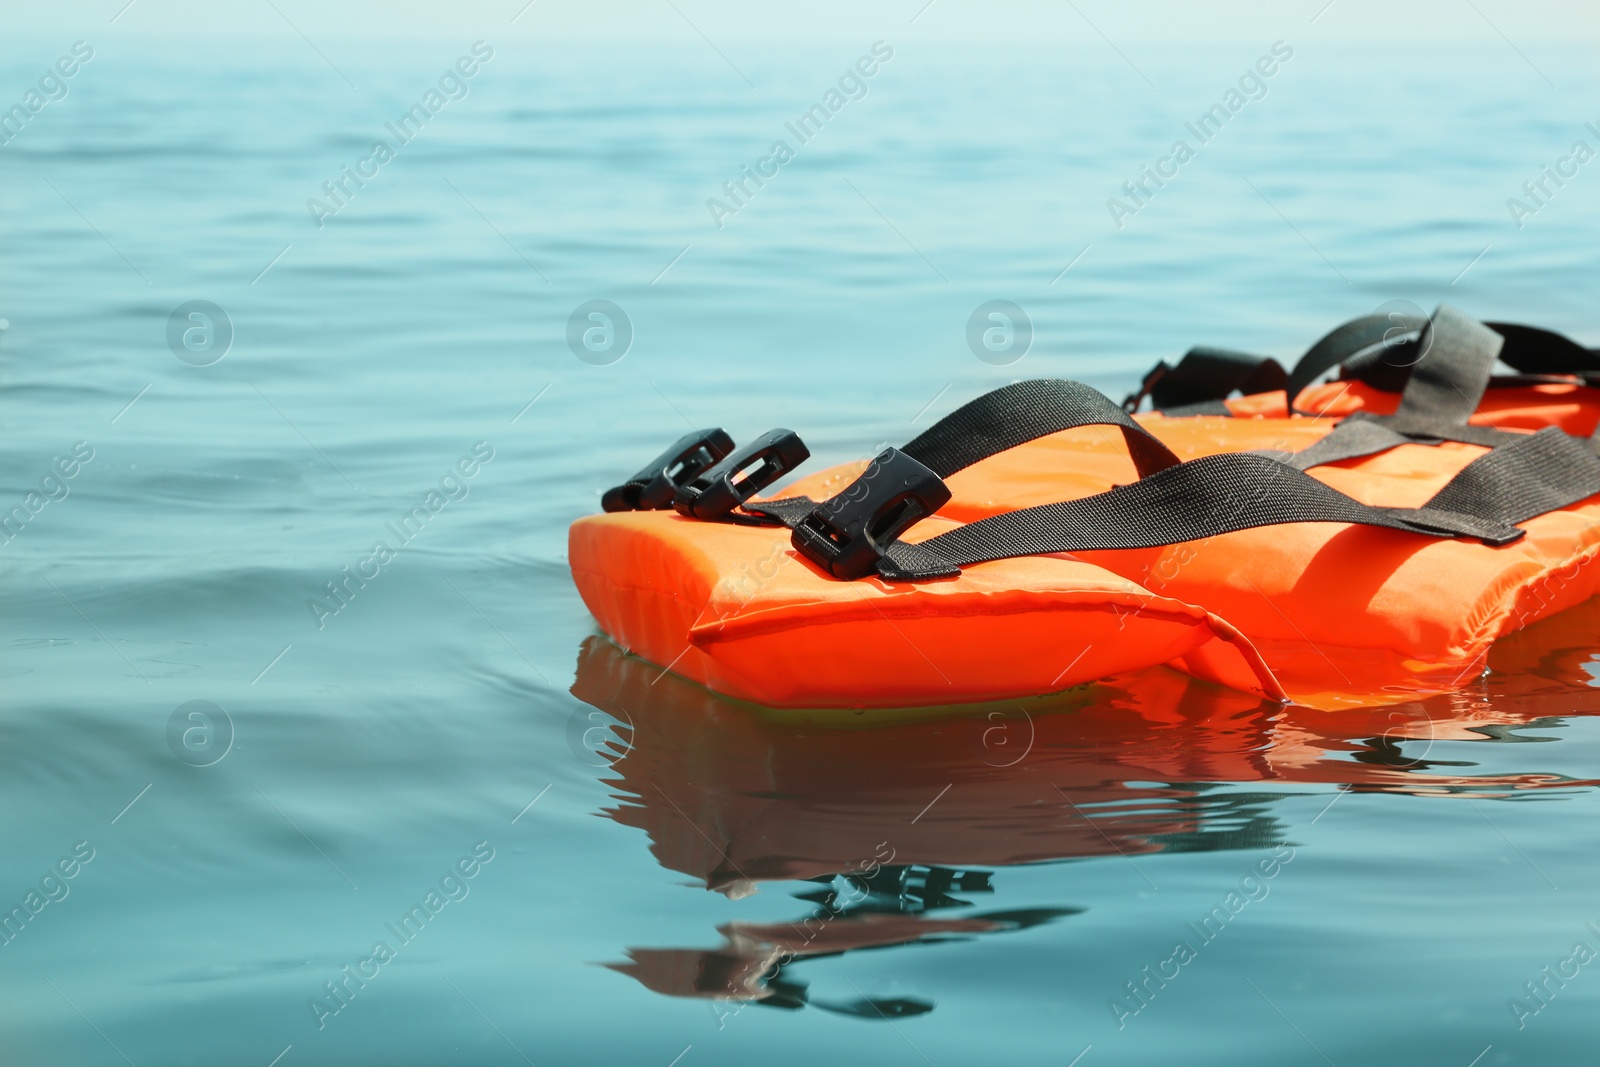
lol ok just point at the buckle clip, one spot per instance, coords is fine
(737, 477)
(1146, 387)
(847, 534)
(653, 488)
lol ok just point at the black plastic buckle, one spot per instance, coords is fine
(1146, 387)
(717, 490)
(653, 488)
(847, 534)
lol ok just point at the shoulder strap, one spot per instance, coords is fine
(1025, 411)
(991, 424)
(1339, 345)
(1448, 381)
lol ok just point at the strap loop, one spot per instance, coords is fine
(1340, 344)
(1448, 381)
(1025, 411)
(1453, 358)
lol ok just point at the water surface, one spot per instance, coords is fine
(989, 882)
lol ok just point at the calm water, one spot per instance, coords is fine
(633, 845)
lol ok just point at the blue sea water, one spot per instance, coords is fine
(1012, 874)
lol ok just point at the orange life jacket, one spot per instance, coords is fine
(1021, 546)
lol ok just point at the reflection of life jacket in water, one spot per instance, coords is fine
(1040, 537)
(899, 824)
(877, 912)
(734, 796)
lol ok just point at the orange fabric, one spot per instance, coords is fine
(1329, 615)
(1575, 408)
(737, 609)
(1349, 616)
(1343, 616)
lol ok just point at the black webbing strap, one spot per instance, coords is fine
(1385, 366)
(1545, 353)
(1202, 498)
(1351, 439)
(1338, 345)
(1536, 474)
(1530, 475)
(1538, 352)
(1205, 377)
(1441, 366)
(1380, 350)
(1199, 407)
(1003, 419)
(1025, 411)
(787, 512)
(1421, 429)
(1447, 383)
(1454, 358)
(1534, 351)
